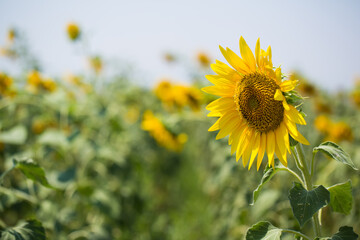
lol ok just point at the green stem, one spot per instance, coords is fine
(294, 174)
(298, 153)
(313, 163)
(296, 233)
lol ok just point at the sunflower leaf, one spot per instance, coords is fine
(29, 230)
(341, 197)
(263, 230)
(305, 204)
(335, 152)
(345, 233)
(32, 171)
(269, 172)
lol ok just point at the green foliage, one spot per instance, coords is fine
(305, 204)
(263, 231)
(16, 135)
(32, 171)
(345, 233)
(341, 197)
(269, 172)
(335, 152)
(29, 230)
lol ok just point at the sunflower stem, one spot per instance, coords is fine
(298, 153)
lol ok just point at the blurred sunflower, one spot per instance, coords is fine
(5, 83)
(253, 109)
(96, 64)
(11, 35)
(179, 96)
(203, 59)
(322, 123)
(36, 83)
(161, 135)
(73, 31)
(340, 131)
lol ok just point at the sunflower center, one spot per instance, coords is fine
(254, 99)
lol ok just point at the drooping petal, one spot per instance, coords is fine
(227, 124)
(293, 115)
(249, 147)
(270, 146)
(291, 126)
(236, 135)
(255, 149)
(280, 144)
(262, 149)
(215, 126)
(278, 95)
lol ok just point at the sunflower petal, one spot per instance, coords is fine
(255, 149)
(227, 124)
(220, 80)
(291, 126)
(280, 144)
(288, 85)
(215, 126)
(293, 115)
(257, 52)
(270, 146)
(249, 147)
(278, 95)
(247, 54)
(236, 135)
(219, 91)
(262, 149)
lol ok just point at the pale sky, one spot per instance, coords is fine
(320, 38)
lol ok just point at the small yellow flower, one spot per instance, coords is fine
(203, 59)
(253, 109)
(161, 135)
(73, 31)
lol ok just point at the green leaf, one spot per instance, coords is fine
(341, 197)
(29, 230)
(54, 138)
(16, 135)
(305, 203)
(269, 172)
(32, 171)
(336, 152)
(345, 233)
(263, 230)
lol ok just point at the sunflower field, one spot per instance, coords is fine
(244, 151)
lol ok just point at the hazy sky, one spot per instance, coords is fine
(320, 38)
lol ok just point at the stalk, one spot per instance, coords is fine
(298, 154)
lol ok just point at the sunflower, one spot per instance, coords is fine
(73, 31)
(253, 110)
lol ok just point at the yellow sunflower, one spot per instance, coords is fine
(253, 110)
